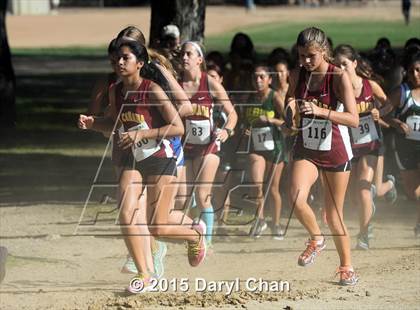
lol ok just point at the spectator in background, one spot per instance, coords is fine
(216, 58)
(383, 43)
(279, 60)
(170, 38)
(406, 5)
(169, 46)
(412, 42)
(242, 46)
(250, 5)
(384, 63)
(242, 57)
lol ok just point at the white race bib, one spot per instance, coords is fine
(145, 147)
(366, 132)
(262, 139)
(317, 134)
(413, 121)
(198, 131)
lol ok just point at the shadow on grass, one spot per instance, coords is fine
(41, 166)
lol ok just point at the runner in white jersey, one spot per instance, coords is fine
(406, 100)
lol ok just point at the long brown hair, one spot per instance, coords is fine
(134, 33)
(313, 36)
(364, 68)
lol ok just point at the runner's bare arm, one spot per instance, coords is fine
(102, 124)
(290, 109)
(182, 103)
(394, 122)
(174, 125)
(279, 107)
(98, 94)
(344, 92)
(219, 93)
(386, 106)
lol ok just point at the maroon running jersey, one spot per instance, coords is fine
(319, 140)
(365, 138)
(138, 114)
(200, 138)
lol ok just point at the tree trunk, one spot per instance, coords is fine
(188, 15)
(7, 76)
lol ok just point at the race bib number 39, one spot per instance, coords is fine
(366, 132)
(145, 147)
(262, 139)
(198, 131)
(413, 122)
(317, 134)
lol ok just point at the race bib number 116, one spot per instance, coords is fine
(317, 134)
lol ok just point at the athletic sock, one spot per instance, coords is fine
(208, 218)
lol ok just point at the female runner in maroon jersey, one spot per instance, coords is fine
(201, 141)
(321, 96)
(365, 139)
(147, 116)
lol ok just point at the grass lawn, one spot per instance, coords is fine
(361, 34)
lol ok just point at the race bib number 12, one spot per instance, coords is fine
(413, 122)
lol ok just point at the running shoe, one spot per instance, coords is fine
(129, 266)
(158, 255)
(347, 276)
(392, 195)
(313, 248)
(257, 229)
(373, 191)
(417, 230)
(362, 241)
(277, 232)
(197, 249)
(141, 283)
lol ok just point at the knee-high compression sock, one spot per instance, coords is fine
(208, 218)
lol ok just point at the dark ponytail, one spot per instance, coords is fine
(149, 70)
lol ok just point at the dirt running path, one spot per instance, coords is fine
(49, 268)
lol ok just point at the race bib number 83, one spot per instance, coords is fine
(198, 131)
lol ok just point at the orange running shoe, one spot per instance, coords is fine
(313, 247)
(347, 275)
